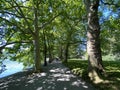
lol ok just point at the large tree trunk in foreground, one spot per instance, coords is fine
(95, 66)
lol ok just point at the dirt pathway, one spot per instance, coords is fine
(55, 77)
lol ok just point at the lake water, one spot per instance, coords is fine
(11, 68)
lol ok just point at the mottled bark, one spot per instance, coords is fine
(36, 40)
(37, 53)
(95, 66)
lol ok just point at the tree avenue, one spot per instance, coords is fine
(28, 19)
(33, 21)
(37, 29)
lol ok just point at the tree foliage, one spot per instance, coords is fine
(31, 30)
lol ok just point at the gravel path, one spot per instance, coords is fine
(55, 77)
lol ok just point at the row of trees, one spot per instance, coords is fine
(39, 28)
(32, 30)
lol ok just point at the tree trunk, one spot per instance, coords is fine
(50, 51)
(45, 49)
(95, 66)
(36, 40)
(61, 52)
(66, 53)
(50, 57)
(45, 55)
(37, 54)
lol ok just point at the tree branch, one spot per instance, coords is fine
(6, 12)
(3, 46)
(47, 23)
(15, 24)
(16, 7)
(75, 42)
(22, 14)
(81, 42)
(18, 42)
(10, 37)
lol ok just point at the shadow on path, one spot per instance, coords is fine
(55, 77)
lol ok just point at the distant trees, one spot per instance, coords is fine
(110, 31)
(27, 27)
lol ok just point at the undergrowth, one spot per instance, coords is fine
(79, 68)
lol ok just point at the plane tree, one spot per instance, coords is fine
(26, 19)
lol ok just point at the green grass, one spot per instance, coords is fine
(79, 67)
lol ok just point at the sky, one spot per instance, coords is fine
(108, 12)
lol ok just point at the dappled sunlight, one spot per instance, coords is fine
(55, 77)
(58, 70)
(113, 71)
(39, 88)
(63, 79)
(111, 82)
(78, 82)
(30, 81)
(94, 77)
(118, 79)
(61, 74)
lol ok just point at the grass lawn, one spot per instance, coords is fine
(79, 67)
